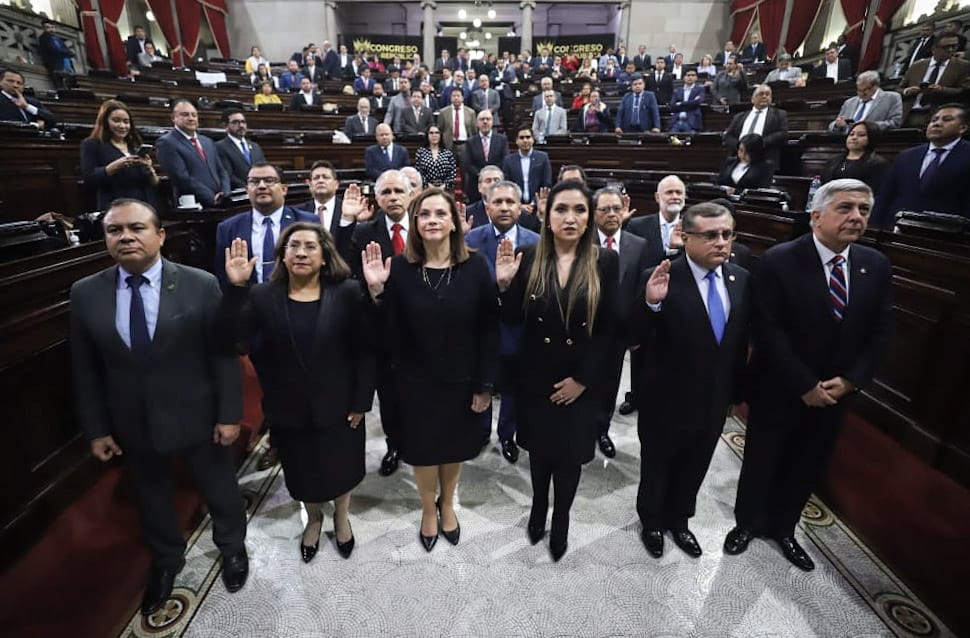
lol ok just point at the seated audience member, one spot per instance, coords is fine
(266, 95)
(582, 98)
(721, 57)
(435, 163)
(594, 117)
(136, 44)
(749, 169)
(549, 120)
(859, 161)
(685, 105)
(362, 123)
(190, 160)
(261, 75)
(755, 52)
(254, 60)
(291, 77)
(638, 111)
(934, 80)
(706, 66)
(306, 96)
(730, 85)
(930, 176)
(364, 85)
(784, 72)
(609, 72)
(587, 72)
(833, 67)
(385, 155)
(766, 120)
(659, 81)
(237, 153)
(884, 109)
(110, 161)
(545, 84)
(15, 107)
(149, 56)
(55, 54)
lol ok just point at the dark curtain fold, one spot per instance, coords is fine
(743, 14)
(110, 14)
(771, 14)
(216, 12)
(92, 43)
(887, 9)
(803, 16)
(855, 18)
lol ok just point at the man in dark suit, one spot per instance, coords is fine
(833, 67)
(416, 119)
(692, 315)
(528, 168)
(190, 160)
(932, 176)
(389, 228)
(476, 157)
(55, 54)
(755, 51)
(331, 63)
(306, 97)
(638, 111)
(545, 84)
(329, 209)
(154, 381)
(659, 231)
(642, 60)
(485, 97)
(236, 152)
(135, 45)
(766, 120)
(385, 155)
(721, 57)
(933, 81)
(610, 208)
(659, 81)
(502, 203)
(313, 70)
(362, 123)
(444, 62)
(685, 105)
(922, 48)
(16, 107)
(821, 319)
(364, 85)
(476, 212)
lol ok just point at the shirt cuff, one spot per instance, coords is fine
(346, 222)
(655, 307)
(30, 108)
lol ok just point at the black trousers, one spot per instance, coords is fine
(785, 454)
(637, 360)
(389, 405)
(565, 480)
(215, 476)
(673, 463)
(611, 385)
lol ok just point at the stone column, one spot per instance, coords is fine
(428, 53)
(330, 11)
(623, 34)
(527, 6)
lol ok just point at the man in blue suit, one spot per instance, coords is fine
(930, 176)
(190, 160)
(638, 111)
(528, 168)
(503, 208)
(685, 105)
(385, 155)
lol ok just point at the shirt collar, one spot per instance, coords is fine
(512, 233)
(153, 275)
(826, 254)
(947, 147)
(700, 273)
(603, 236)
(390, 222)
(276, 216)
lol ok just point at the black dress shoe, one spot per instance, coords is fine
(454, 535)
(627, 408)
(390, 462)
(159, 587)
(307, 552)
(795, 554)
(557, 549)
(510, 450)
(737, 540)
(687, 542)
(606, 445)
(653, 540)
(269, 459)
(536, 532)
(235, 569)
(344, 549)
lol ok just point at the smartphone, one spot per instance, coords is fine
(144, 150)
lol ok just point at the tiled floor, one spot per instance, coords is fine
(494, 583)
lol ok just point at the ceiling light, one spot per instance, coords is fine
(462, 14)
(488, 36)
(491, 14)
(149, 16)
(462, 35)
(477, 22)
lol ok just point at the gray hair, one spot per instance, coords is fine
(704, 209)
(410, 172)
(504, 184)
(827, 192)
(869, 77)
(393, 173)
(606, 190)
(489, 168)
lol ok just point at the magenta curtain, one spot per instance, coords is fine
(855, 17)
(92, 44)
(216, 12)
(887, 9)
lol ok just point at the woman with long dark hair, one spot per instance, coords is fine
(563, 292)
(435, 162)
(859, 161)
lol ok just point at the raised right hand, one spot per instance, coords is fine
(376, 269)
(506, 264)
(105, 448)
(659, 283)
(355, 205)
(239, 268)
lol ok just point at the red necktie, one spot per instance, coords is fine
(198, 147)
(609, 243)
(397, 239)
(457, 124)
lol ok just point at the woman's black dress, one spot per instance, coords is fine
(132, 181)
(870, 169)
(441, 327)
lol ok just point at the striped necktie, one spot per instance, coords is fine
(838, 294)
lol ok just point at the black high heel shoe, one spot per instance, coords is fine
(536, 533)
(557, 549)
(344, 549)
(451, 536)
(307, 552)
(428, 541)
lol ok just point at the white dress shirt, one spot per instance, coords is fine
(390, 227)
(616, 239)
(150, 297)
(760, 126)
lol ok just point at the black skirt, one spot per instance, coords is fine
(321, 464)
(443, 430)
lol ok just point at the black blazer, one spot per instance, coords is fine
(648, 227)
(297, 102)
(353, 126)
(235, 162)
(603, 117)
(340, 356)
(757, 176)
(540, 172)
(190, 382)
(633, 261)
(10, 112)
(947, 191)
(475, 160)
(371, 230)
(870, 169)
(845, 70)
(132, 49)
(342, 235)
(131, 181)
(775, 132)
(688, 378)
(663, 89)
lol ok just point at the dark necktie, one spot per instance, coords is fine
(485, 146)
(715, 307)
(245, 151)
(137, 323)
(862, 109)
(636, 109)
(269, 247)
(935, 73)
(932, 167)
(609, 243)
(838, 295)
(754, 122)
(397, 239)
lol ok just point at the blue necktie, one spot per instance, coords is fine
(636, 109)
(859, 113)
(269, 248)
(245, 150)
(715, 309)
(137, 324)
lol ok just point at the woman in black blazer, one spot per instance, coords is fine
(749, 169)
(563, 293)
(594, 117)
(308, 343)
(859, 160)
(110, 161)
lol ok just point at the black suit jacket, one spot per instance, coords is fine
(318, 75)
(642, 62)
(297, 101)
(758, 52)
(540, 172)
(664, 89)
(925, 51)
(371, 230)
(408, 125)
(633, 261)
(235, 162)
(189, 382)
(475, 160)
(757, 176)
(342, 235)
(354, 127)
(845, 70)
(10, 112)
(376, 162)
(186, 169)
(775, 132)
(648, 227)
(132, 49)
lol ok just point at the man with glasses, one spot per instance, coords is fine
(930, 82)
(236, 152)
(191, 160)
(697, 355)
(882, 108)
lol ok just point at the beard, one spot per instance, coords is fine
(675, 209)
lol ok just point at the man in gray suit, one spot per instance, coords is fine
(550, 119)
(154, 380)
(236, 152)
(398, 104)
(485, 97)
(882, 108)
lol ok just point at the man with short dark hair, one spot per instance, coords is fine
(191, 160)
(16, 107)
(417, 119)
(638, 111)
(135, 45)
(833, 67)
(456, 121)
(398, 104)
(730, 83)
(922, 47)
(306, 97)
(528, 168)
(933, 81)
(484, 148)
(489, 175)
(236, 152)
(55, 54)
(291, 78)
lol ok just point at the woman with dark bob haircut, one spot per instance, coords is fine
(438, 308)
(310, 347)
(859, 161)
(562, 290)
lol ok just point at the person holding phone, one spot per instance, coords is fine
(114, 161)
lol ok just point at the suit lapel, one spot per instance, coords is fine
(812, 264)
(167, 305)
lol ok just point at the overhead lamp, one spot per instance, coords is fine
(488, 35)
(462, 35)
(491, 14)
(149, 16)
(477, 22)
(462, 14)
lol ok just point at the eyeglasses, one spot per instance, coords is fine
(609, 209)
(711, 236)
(237, 121)
(269, 181)
(308, 248)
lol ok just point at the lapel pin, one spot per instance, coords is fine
(170, 287)
(862, 271)
(730, 277)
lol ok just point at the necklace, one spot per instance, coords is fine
(434, 287)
